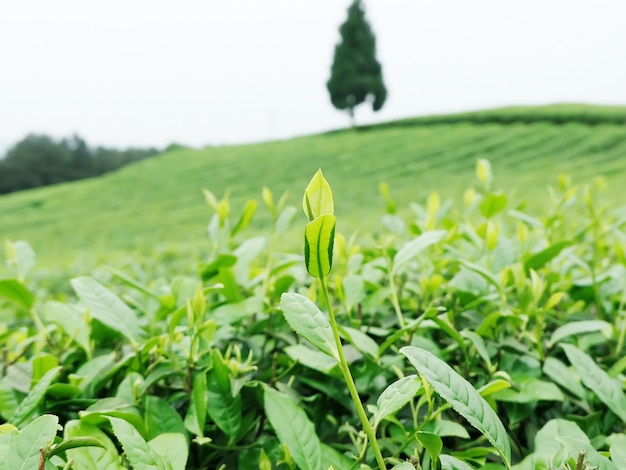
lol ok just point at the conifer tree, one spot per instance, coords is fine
(355, 74)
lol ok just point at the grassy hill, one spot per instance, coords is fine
(158, 202)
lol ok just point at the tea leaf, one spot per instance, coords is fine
(395, 396)
(432, 443)
(24, 453)
(139, 454)
(608, 390)
(577, 328)
(107, 307)
(493, 204)
(173, 448)
(309, 322)
(319, 240)
(410, 250)
(294, 429)
(462, 396)
(318, 197)
(14, 290)
(105, 457)
(36, 395)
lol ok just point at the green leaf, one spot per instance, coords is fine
(319, 239)
(21, 257)
(531, 389)
(577, 328)
(36, 395)
(452, 463)
(246, 217)
(139, 453)
(76, 442)
(459, 393)
(493, 204)
(107, 307)
(395, 396)
(161, 417)
(24, 453)
(333, 457)
(173, 449)
(318, 197)
(223, 408)
(14, 290)
(309, 322)
(294, 429)
(403, 466)
(558, 441)
(411, 249)
(196, 414)
(360, 340)
(618, 449)
(70, 321)
(101, 458)
(540, 259)
(486, 275)
(432, 443)
(608, 390)
(311, 358)
(564, 376)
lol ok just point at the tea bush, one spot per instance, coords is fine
(480, 336)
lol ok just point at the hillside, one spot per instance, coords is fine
(159, 201)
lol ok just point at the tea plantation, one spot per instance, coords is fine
(476, 319)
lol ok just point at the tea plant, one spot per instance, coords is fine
(481, 336)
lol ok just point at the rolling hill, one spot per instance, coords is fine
(158, 202)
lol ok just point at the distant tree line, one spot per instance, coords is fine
(39, 160)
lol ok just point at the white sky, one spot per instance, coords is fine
(151, 72)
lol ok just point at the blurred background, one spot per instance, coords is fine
(161, 99)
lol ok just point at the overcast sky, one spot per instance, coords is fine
(151, 72)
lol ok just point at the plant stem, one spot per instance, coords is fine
(394, 300)
(343, 364)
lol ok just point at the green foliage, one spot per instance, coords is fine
(355, 73)
(150, 210)
(38, 160)
(517, 333)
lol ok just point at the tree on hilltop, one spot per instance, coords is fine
(355, 74)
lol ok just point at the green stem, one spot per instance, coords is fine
(343, 364)
(394, 296)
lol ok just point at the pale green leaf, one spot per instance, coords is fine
(411, 249)
(618, 449)
(577, 328)
(294, 429)
(493, 204)
(102, 458)
(309, 322)
(558, 441)
(395, 396)
(608, 390)
(318, 197)
(311, 358)
(459, 393)
(452, 463)
(319, 239)
(24, 452)
(564, 376)
(139, 454)
(34, 397)
(107, 307)
(16, 291)
(331, 456)
(173, 449)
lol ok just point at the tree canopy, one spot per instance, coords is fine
(356, 74)
(38, 160)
